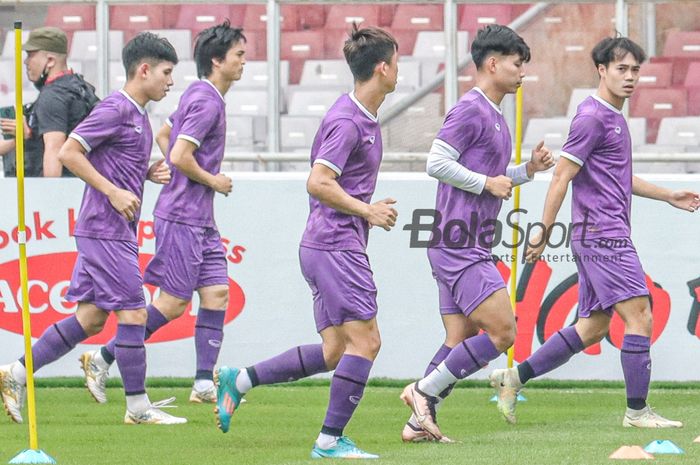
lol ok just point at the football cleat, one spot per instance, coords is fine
(95, 376)
(343, 449)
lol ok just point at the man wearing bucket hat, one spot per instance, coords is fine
(64, 100)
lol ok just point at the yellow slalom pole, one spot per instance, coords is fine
(33, 454)
(516, 205)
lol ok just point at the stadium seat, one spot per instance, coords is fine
(136, 17)
(71, 17)
(692, 84)
(553, 131)
(679, 67)
(321, 73)
(386, 15)
(683, 44)
(429, 106)
(418, 17)
(117, 75)
(84, 46)
(311, 102)
(298, 47)
(474, 16)
(655, 75)
(342, 16)
(412, 133)
(682, 132)
(298, 131)
(201, 16)
(184, 74)
(255, 75)
(638, 131)
(333, 42)
(246, 102)
(658, 103)
(239, 131)
(255, 18)
(431, 44)
(310, 16)
(578, 96)
(409, 75)
(256, 45)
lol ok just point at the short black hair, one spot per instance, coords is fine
(215, 42)
(146, 46)
(616, 48)
(366, 47)
(495, 38)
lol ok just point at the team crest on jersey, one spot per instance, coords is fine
(498, 126)
(618, 130)
(138, 129)
(371, 139)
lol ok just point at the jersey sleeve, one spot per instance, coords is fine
(341, 138)
(584, 136)
(99, 127)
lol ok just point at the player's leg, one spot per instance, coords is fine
(56, 341)
(457, 328)
(208, 338)
(362, 343)
(636, 364)
(96, 363)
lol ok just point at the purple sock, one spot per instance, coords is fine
(471, 355)
(57, 341)
(154, 322)
(636, 366)
(296, 363)
(556, 351)
(439, 356)
(347, 386)
(208, 335)
(130, 354)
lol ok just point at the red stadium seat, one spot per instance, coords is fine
(171, 13)
(386, 15)
(255, 18)
(679, 67)
(71, 17)
(655, 75)
(655, 104)
(310, 16)
(418, 17)
(299, 46)
(692, 84)
(683, 44)
(333, 41)
(474, 16)
(342, 16)
(135, 17)
(256, 45)
(199, 17)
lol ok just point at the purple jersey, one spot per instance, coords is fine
(349, 142)
(201, 119)
(475, 128)
(599, 141)
(118, 139)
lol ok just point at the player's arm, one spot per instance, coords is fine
(682, 199)
(563, 174)
(72, 156)
(323, 185)
(53, 141)
(182, 158)
(163, 138)
(444, 166)
(540, 160)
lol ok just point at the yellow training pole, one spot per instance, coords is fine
(516, 205)
(33, 454)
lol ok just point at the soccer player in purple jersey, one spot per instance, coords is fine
(345, 159)
(189, 254)
(597, 161)
(470, 157)
(110, 150)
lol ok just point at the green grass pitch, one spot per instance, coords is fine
(579, 424)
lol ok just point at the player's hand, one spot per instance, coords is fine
(222, 184)
(159, 172)
(500, 186)
(125, 202)
(382, 214)
(9, 126)
(541, 159)
(685, 200)
(535, 247)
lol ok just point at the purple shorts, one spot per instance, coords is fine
(342, 286)
(187, 258)
(465, 278)
(107, 274)
(609, 272)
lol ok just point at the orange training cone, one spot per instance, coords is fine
(631, 453)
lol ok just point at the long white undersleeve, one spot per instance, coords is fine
(443, 165)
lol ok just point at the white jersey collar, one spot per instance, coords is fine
(362, 107)
(491, 102)
(141, 109)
